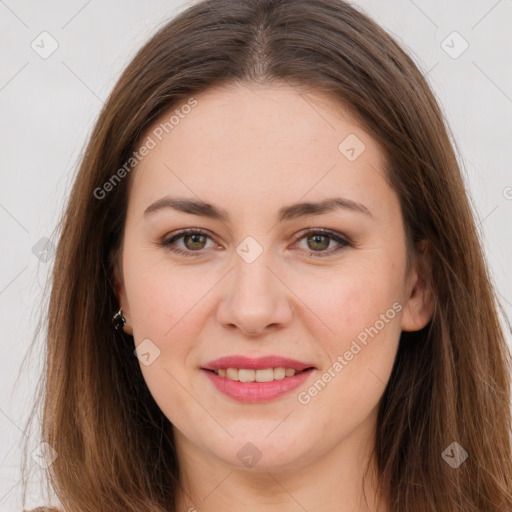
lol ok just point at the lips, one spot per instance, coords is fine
(259, 363)
(257, 392)
(241, 378)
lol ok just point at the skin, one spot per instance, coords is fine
(253, 149)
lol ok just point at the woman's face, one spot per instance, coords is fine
(326, 287)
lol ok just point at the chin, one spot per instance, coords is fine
(270, 455)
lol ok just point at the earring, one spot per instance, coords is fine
(118, 320)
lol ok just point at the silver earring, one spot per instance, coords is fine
(118, 320)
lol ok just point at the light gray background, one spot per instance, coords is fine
(48, 107)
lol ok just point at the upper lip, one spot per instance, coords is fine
(258, 363)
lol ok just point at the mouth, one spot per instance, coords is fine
(261, 369)
(257, 375)
(262, 379)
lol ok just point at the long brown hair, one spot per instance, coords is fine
(451, 380)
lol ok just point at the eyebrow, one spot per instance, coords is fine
(294, 211)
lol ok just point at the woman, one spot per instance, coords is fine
(271, 214)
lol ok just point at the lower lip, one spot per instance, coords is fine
(253, 392)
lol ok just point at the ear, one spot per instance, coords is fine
(122, 300)
(420, 301)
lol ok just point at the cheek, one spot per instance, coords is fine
(163, 296)
(167, 306)
(352, 300)
(362, 308)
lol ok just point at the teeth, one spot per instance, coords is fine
(264, 375)
(247, 375)
(232, 374)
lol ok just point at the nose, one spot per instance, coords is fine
(255, 298)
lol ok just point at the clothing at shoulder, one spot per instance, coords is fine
(44, 509)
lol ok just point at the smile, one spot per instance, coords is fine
(250, 375)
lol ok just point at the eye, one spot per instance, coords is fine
(319, 240)
(194, 241)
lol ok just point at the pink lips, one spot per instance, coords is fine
(253, 392)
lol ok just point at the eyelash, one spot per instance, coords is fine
(319, 254)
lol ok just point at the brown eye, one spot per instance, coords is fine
(194, 242)
(317, 241)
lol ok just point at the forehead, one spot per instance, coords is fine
(259, 143)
